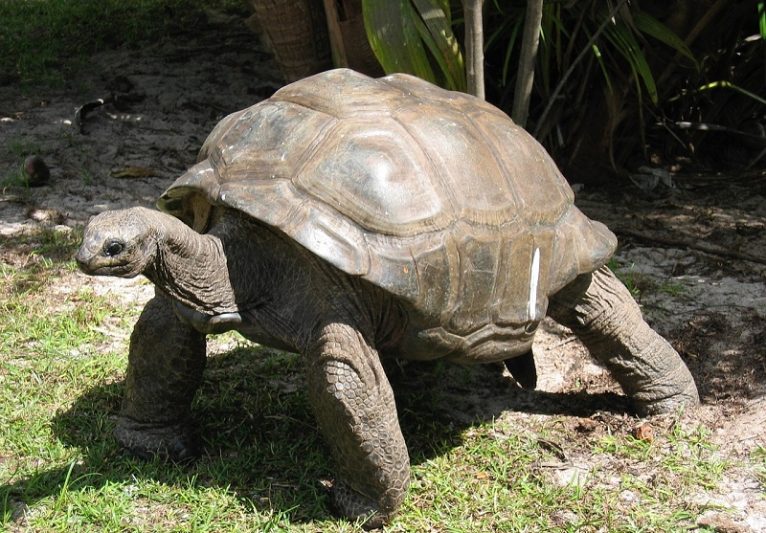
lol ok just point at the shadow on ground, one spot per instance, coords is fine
(259, 436)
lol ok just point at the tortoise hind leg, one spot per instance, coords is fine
(165, 365)
(523, 370)
(603, 314)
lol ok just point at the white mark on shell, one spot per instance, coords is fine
(533, 279)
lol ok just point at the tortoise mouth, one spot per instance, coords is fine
(96, 265)
(119, 271)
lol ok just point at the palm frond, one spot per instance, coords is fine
(415, 36)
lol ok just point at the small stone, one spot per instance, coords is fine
(643, 432)
(586, 425)
(35, 171)
(629, 497)
(722, 524)
(564, 517)
(572, 475)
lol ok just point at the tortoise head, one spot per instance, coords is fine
(119, 243)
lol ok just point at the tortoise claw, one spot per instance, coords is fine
(175, 442)
(355, 507)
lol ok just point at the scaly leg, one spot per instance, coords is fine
(165, 365)
(603, 314)
(356, 413)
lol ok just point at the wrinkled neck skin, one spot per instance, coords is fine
(277, 292)
(191, 268)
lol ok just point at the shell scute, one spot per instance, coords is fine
(541, 192)
(270, 140)
(341, 93)
(369, 171)
(465, 167)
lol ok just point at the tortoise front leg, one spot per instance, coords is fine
(354, 407)
(603, 314)
(165, 365)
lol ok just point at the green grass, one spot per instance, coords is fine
(37, 258)
(14, 178)
(633, 281)
(758, 456)
(62, 363)
(638, 283)
(672, 288)
(43, 40)
(19, 148)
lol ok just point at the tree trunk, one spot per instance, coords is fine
(474, 46)
(526, 73)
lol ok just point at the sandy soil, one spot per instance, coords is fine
(697, 255)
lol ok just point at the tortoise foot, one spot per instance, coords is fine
(358, 508)
(176, 442)
(687, 397)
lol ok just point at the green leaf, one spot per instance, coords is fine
(414, 36)
(502, 33)
(762, 19)
(394, 39)
(626, 44)
(509, 50)
(602, 66)
(653, 27)
(724, 84)
(436, 32)
(446, 8)
(413, 44)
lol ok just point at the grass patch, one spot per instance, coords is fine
(638, 283)
(45, 246)
(43, 40)
(14, 178)
(686, 454)
(632, 280)
(62, 363)
(32, 260)
(19, 148)
(758, 457)
(672, 288)
(658, 477)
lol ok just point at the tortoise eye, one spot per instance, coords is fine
(113, 248)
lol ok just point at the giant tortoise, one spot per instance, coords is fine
(348, 219)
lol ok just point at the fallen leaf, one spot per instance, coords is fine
(133, 172)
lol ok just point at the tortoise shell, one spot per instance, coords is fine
(435, 196)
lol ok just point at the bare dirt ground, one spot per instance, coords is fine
(697, 256)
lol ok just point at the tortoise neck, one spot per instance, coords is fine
(191, 268)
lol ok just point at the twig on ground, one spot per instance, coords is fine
(693, 244)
